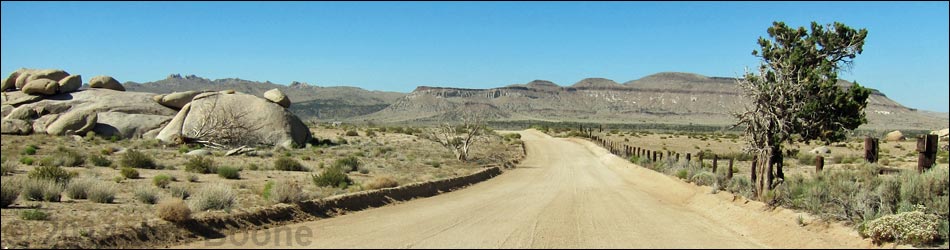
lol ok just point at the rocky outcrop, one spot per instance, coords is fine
(105, 82)
(41, 87)
(70, 84)
(260, 121)
(15, 127)
(27, 75)
(177, 100)
(73, 123)
(820, 150)
(274, 95)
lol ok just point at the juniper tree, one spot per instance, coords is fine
(795, 93)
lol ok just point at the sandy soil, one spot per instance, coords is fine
(568, 193)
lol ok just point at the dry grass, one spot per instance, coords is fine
(173, 210)
(381, 182)
(401, 156)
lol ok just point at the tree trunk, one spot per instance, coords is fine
(778, 160)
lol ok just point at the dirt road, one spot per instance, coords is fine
(568, 193)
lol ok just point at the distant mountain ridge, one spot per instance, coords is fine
(667, 97)
(309, 101)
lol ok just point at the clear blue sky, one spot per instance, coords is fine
(396, 46)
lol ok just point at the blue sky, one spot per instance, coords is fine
(396, 46)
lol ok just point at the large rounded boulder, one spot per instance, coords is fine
(235, 119)
(895, 135)
(73, 122)
(41, 86)
(176, 100)
(70, 84)
(105, 82)
(278, 97)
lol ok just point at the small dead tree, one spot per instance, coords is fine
(223, 127)
(459, 138)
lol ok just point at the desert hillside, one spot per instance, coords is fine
(669, 97)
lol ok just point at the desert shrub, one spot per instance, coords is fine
(41, 190)
(129, 173)
(740, 185)
(173, 210)
(33, 214)
(146, 194)
(102, 192)
(288, 164)
(929, 189)
(136, 159)
(8, 193)
(914, 227)
(100, 161)
(201, 165)
(382, 182)
(26, 160)
(806, 159)
(53, 173)
(214, 197)
(162, 180)
(703, 178)
(349, 163)
(79, 189)
(179, 191)
(29, 150)
(230, 173)
(681, 174)
(370, 133)
(352, 133)
(68, 158)
(332, 177)
(7, 167)
(192, 178)
(283, 192)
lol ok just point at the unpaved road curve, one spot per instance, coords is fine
(568, 193)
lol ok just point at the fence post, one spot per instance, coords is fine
(654, 156)
(700, 156)
(927, 152)
(729, 173)
(819, 163)
(715, 159)
(870, 149)
(687, 159)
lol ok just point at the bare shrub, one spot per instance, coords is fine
(8, 193)
(146, 194)
(382, 182)
(41, 190)
(79, 189)
(216, 196)
(102, 192)
(173, 210)
(283, 192)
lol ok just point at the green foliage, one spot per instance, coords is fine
(288, 164)
(129, 173)
(29, 150)
(26, 160)
(100, 161)
(812, 60)
(681, 174)
(230, 173)
(806, 159)
(349, 163)
(332, 177)
(162, 180)
(53, 173)
(201, 165)
(33, 214)
(136, 159)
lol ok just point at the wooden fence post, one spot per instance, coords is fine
(927, 152)
(870, 149)
(729, 173)
(715, 159)
(687, 159)
(700, 156)
(819, 163)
